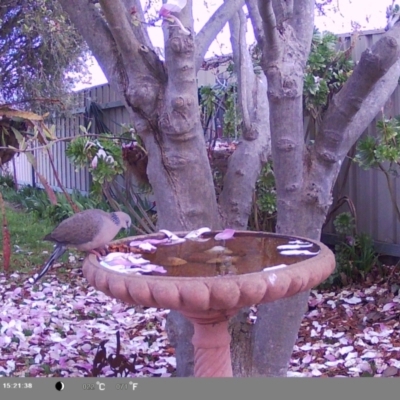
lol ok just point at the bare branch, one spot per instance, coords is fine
(283, 10)
(128, 44)
(134, 9)
(371, 107)
(372, 67)
(256, 21)
(186, 15)
(272, 46)
(246, 162)
(243, 66)
(302, 21)
(92, 27)
(214, 25)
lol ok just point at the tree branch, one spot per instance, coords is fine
(96, 33)
(283, 10)
(285, 54)
(253, 151)
(271, 47)
(244, 65)
(255, 17)
(140, 31)
(128, 44)
(370, 107)
(186, 15)
(302, 20)
(214, 25)
(372, 67)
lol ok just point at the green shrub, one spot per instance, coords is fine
(35, 201)
(355, 254)
(7, 181)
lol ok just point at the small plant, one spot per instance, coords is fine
(264, 211)
(326, 72)
(7, 180)
(103, 157)
(383, 153)
(355, 254)
(35, 201)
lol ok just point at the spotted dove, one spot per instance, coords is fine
(88, 231)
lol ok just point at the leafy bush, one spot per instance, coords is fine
(373, 152)
(35, 201)
(63, 209)
(263, 216)
(102, 156)
(326, 72)
(7, 180)
(355, 253)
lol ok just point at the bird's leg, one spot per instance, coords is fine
(100, 252)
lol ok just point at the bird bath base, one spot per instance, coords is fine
(209, 295)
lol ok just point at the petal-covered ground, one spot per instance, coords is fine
(65, 328)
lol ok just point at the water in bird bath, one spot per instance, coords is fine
(244, 253)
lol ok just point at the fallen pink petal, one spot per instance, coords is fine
(225, 234)
(56, 331)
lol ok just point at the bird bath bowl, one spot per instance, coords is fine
(209, 281)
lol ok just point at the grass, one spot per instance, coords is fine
(29, 221)
(27, 233)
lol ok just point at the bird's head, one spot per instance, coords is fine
(126, 221)
(122, 219)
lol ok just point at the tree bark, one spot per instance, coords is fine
(285, 52)
(254, 148)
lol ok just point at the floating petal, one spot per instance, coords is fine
(197, 233)
(147, 247)
(172, 238)
(156, 241)
(225, 234)
(159, 269)
(113, 256)
(150, 268)
(174, 241)
(298, 253)
(169, 234)
(294, 246)
(119, 261)
(297, 242)
(138, 243)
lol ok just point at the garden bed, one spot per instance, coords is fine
(61, 329)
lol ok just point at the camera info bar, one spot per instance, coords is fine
(196, 388)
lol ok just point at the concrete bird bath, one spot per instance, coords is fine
(209, 287)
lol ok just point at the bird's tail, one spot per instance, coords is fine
(57, 253)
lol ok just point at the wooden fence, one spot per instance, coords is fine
(367, 189)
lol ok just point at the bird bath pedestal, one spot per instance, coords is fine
(209, 288)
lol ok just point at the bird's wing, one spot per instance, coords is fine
(79, 229)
